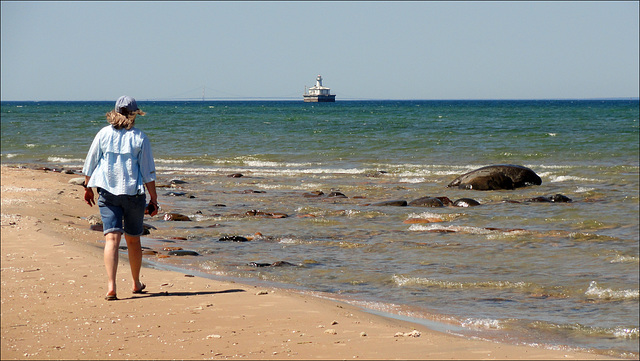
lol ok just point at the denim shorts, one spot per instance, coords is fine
(114, 209)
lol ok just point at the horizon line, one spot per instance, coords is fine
(337, 100)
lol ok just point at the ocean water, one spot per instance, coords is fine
(556, 275)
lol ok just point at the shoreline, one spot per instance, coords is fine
(53, 285)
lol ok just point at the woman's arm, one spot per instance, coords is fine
(153, 196)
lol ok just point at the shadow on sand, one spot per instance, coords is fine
(179, 294)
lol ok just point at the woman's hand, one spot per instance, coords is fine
(152, 208)
(89, 197)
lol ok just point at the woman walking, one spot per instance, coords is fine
(120, 165)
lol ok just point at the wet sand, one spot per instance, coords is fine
(53, 307)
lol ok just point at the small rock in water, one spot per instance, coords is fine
(258, 264)
(466, 202)
(250, 191)
(176, 217)
(337, 195)
(274, 264)
(559, 198)
(182, 252)
(257, 213)
(539, 199)
(282, 263)
(233, 239)
(376, 174)
(176, 194)
(313, 194)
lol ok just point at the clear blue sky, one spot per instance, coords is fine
(364, 50)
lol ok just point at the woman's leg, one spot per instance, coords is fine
(112, 243)
(135, 259)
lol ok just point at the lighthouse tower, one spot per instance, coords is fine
(319, 93)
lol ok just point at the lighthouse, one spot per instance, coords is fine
(319, 93)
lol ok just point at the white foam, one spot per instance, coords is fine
(584, 189)
(64, 160)
(482, 323)
(564, 178)
(553, 166)
(438, 227)
(607, 293)
(424, 215)
(271, 186)
(171, 161)
(412, 180)
(312, 185)
(351, 212)
(263, 163)
(625, 259)
(626, 332)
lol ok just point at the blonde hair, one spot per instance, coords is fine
(120, 121)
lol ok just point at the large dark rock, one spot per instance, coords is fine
(493, 177)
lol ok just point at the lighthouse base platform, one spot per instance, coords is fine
(319, 98)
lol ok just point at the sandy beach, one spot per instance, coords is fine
(53, 307)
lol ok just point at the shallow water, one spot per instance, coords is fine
(557, 274)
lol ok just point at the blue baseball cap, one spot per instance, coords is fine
(126, 102)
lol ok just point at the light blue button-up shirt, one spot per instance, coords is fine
(120, 161)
